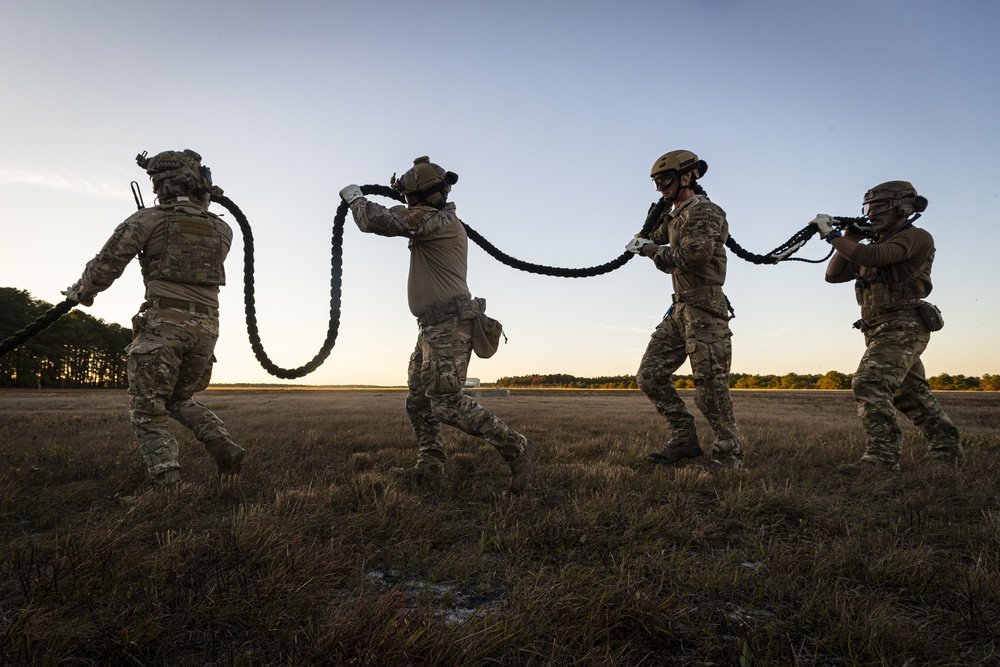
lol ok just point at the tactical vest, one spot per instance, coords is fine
(193, 252)
(876, 289)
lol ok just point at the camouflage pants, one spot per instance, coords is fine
(437, 372)
(890, 377)
(689, 332)
(170, 359)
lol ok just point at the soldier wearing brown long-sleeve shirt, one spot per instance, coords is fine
(892, 275)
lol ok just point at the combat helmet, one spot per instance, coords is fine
(181, 170)
(900, 194)
(679, 162)
(424, 179)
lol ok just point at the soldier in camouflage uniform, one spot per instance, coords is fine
(892, 276)
(439, 298)
(181, 248)
(689, 244)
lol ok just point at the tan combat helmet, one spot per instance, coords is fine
(424, 178)
(897, 193)
(182, 169)
(680, 162)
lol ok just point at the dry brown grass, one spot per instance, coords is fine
(316, 556)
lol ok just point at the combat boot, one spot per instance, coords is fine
(227, 454)
(952, 456)
(865, 465)
(167, 478)
(726, 454)
(423, 472)
(677, 449)
(522, 468)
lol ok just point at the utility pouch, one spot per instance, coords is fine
(486, 333)
(465, 308)
(931, 315)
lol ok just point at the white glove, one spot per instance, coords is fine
(350, 193)
(824, 224)
(73, 294)
(635, 245)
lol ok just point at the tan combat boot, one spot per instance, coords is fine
(228, 456)
(522, 468)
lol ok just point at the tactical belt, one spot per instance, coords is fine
(883, 315)
(697, 291)
(461, 307)
(179, 304)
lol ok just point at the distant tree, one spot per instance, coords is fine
(989, 382)
(76, 351)
(834, 380)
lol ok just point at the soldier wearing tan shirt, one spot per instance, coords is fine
(439, 298)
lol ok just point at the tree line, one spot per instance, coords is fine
(78, 350)
(829, 380)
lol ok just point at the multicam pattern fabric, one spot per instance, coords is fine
(692, 240)
(890, 377)
(437, 372)
(170, 359)
(171, 354)
(692, 249)
(688, 332)
(145, 234)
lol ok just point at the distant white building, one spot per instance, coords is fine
(472, 382)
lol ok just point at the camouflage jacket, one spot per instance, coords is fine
(692, 240)
(439, 249)
(144, 234)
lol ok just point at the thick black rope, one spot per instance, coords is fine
(36, 327)
(779, 254)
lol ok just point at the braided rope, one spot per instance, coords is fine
(779, 254)
(36, 327)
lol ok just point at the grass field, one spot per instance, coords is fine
(315, 555)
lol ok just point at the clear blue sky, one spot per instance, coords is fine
(551, 113)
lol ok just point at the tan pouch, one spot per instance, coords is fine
(486, 333)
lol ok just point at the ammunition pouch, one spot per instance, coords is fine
(931, 315)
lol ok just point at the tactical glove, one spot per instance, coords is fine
(635, 246)
(350, 193)
(73, 293)
(824, 224)
(854, 229)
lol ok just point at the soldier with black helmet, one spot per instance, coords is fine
(181, 247)
(892, 277)
(688, 242)
(446, 313)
